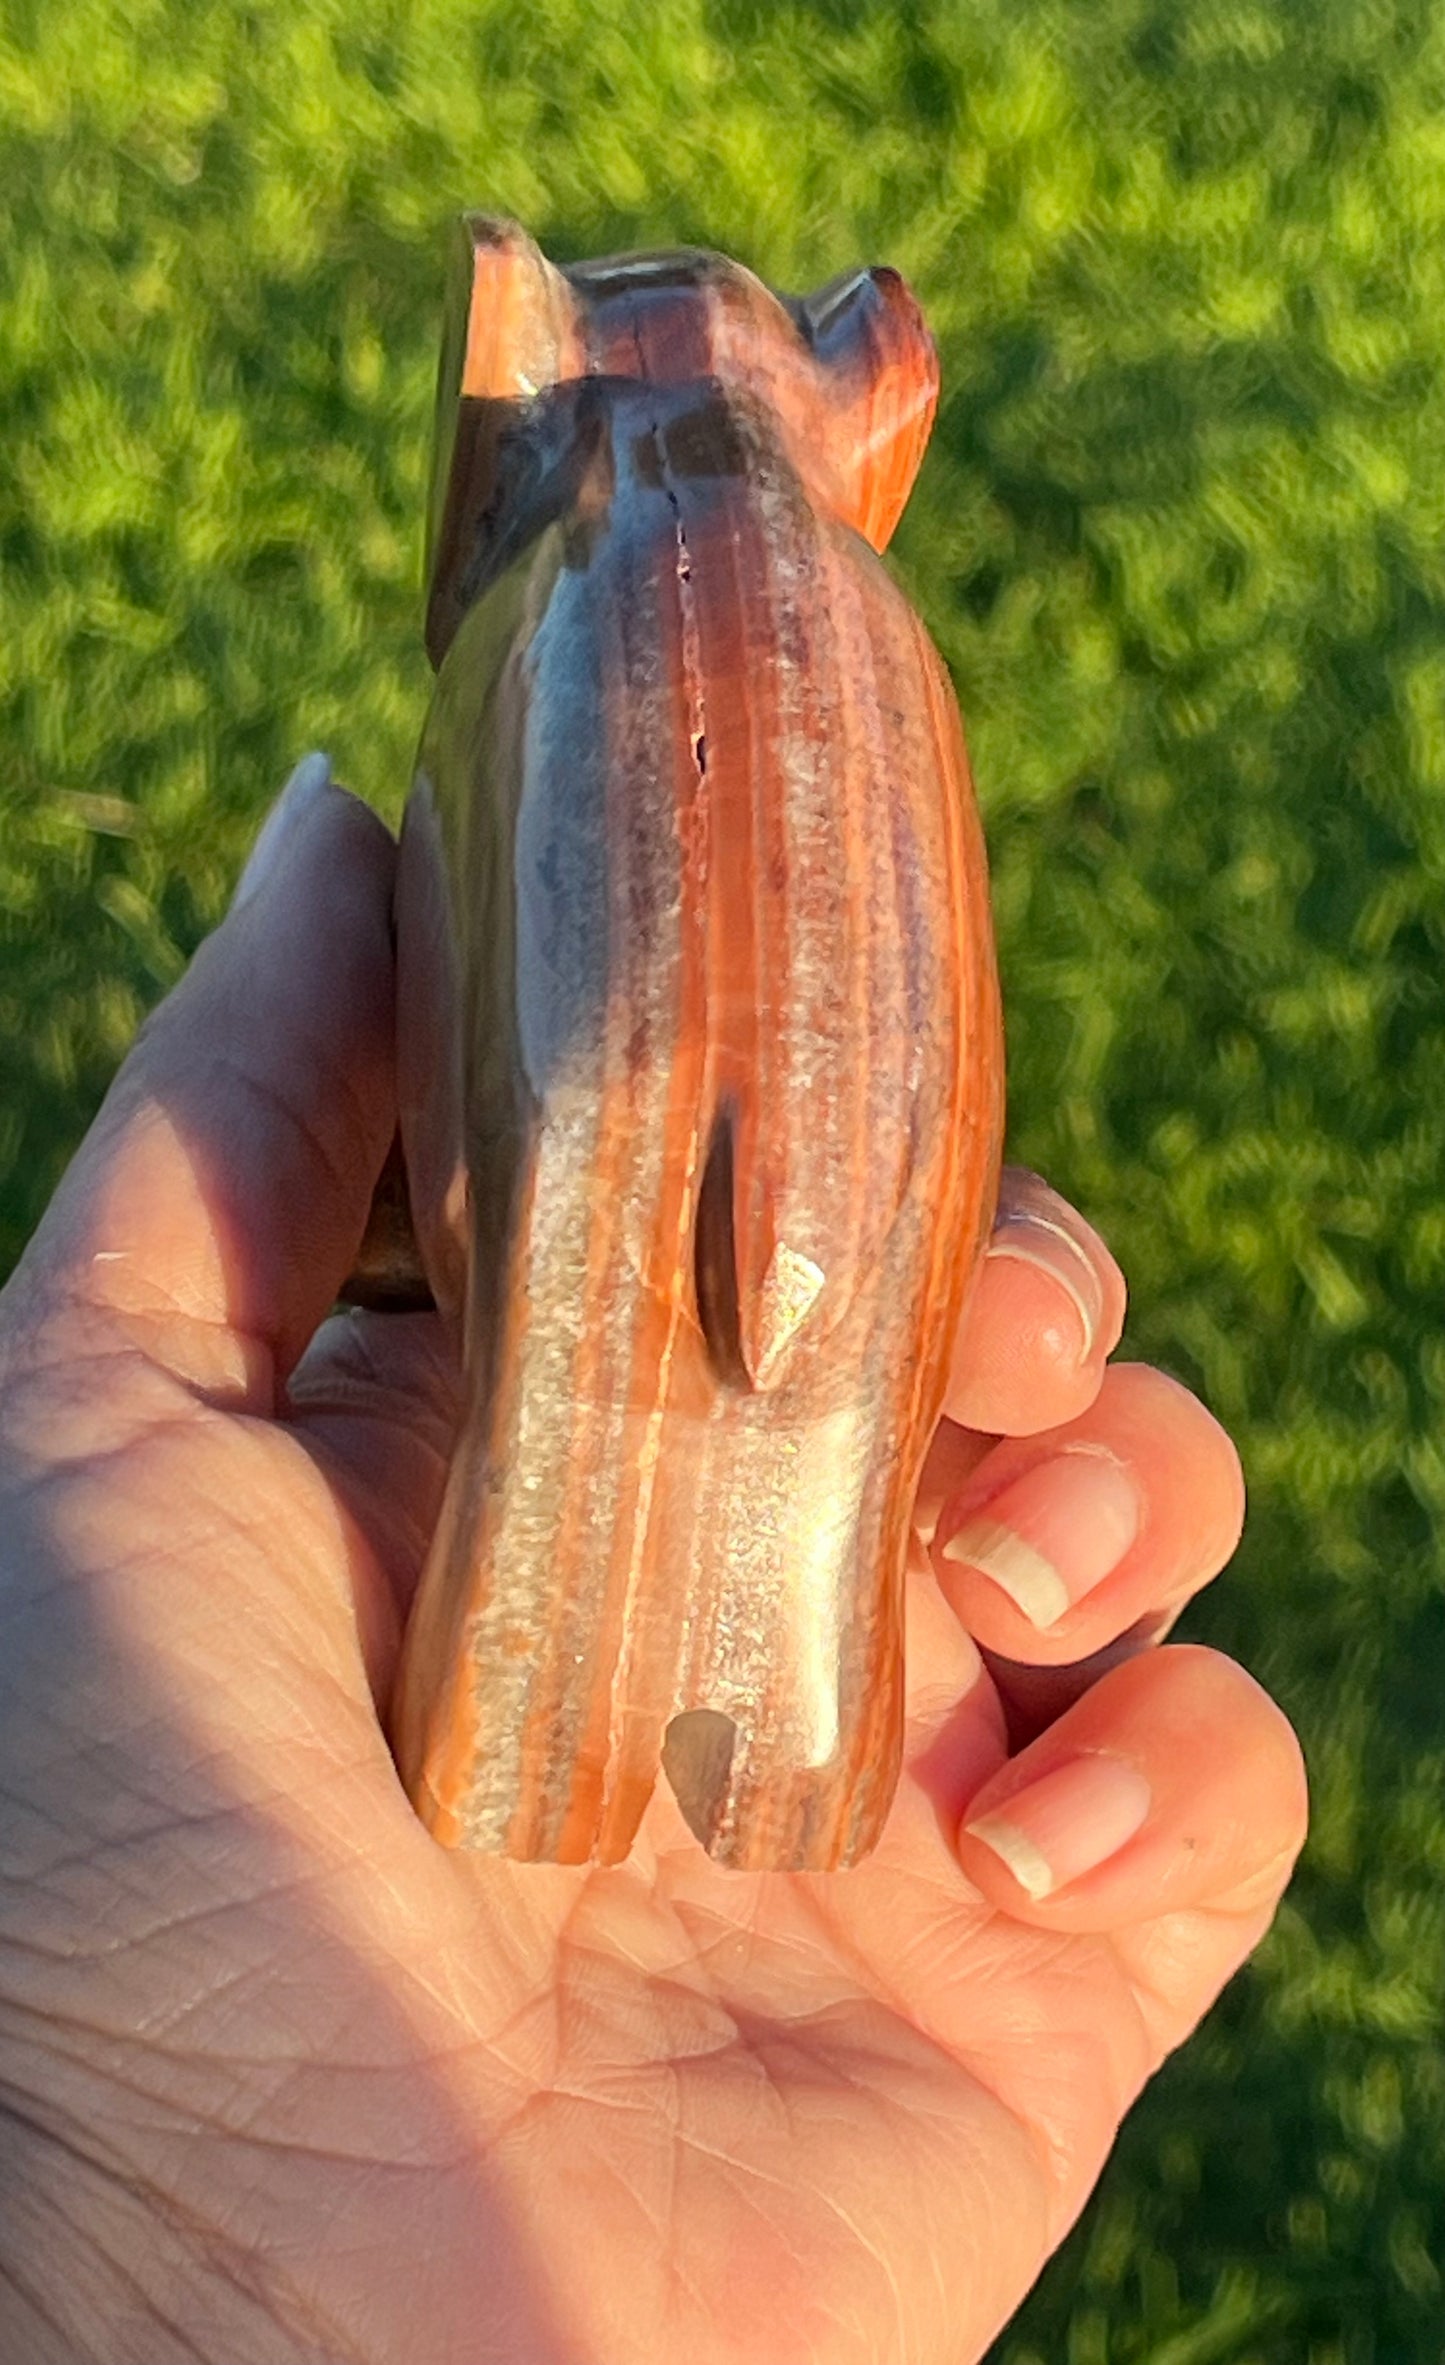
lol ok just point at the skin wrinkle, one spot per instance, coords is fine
(181, 1818)
(165, 2033)
(756, 2055)
(676, 2250)
(146, 1334)
(253, 1387)
(33, 2299)
(484, 2040)
(350, 1376)
(131, 2042)
(343, 2062)
(730, 2038)
(869, 2244)
(346, 1094)
(228, 1905)
(340, 1161)
(95, 1753)
(1251, 1894)
(154, 2312)
(150, 1554)
(814, 1912)
(866, 1970)
(663, 2222)
(124, 2183)
(53, 1474)
(924, 1947)
(755, 2059)
(661, 1971)
(842, 2069)
(339, 1164)
(261, 2279)
(592, 2096)
(267, 1966)
(1062, 2151)
(709, 1933)
(1033, 2136)
(83, 2145)
(328, 1768)
(677, 2276)
(570, 1930)
(294, 1670)
(342, 1674)
(1057, 2164)
(1153, 2003)
(1148, 1993)
(23, 1361)
(744, 2191)
(243, 2268)
(543, 2005)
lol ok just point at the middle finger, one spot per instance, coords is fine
(1051, 1547)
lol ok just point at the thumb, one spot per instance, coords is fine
(218, 1199)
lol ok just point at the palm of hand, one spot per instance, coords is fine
(321, 2091)
(862, 2108)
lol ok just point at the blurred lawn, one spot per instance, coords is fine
(1182, 539)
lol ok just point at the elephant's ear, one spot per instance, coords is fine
(511, 331)
(877, 368)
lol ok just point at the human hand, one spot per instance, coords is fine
(279, 2079)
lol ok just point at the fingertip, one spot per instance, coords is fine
(1046, 1312)
(1052, 1545)
(315, 814)
(1175, 1784)
(1022, 1361)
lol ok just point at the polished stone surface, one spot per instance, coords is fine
(700, 1053)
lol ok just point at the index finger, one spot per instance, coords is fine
(1044, 1317)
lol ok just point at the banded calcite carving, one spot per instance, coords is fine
(700, 1057)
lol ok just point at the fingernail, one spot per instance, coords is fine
(278, 831)
(1054, 1534)
(1066, 1824)
(1034, 1236)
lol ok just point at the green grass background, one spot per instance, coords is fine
(1180, 538)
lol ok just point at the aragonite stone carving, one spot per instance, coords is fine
(700, 1055)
